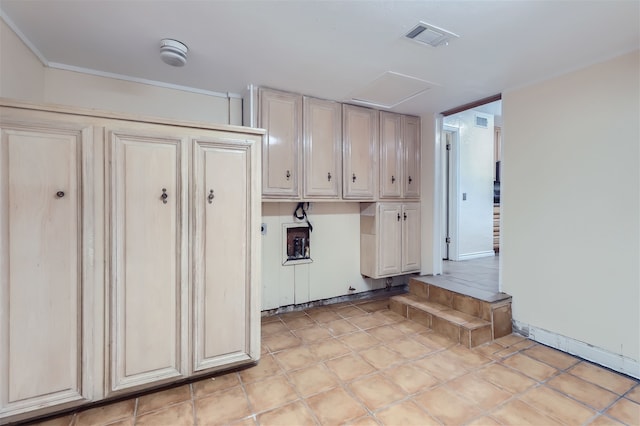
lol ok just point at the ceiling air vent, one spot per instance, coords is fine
(429, 34)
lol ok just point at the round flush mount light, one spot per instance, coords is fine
(173, 52)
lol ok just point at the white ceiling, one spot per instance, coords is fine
(330, 49)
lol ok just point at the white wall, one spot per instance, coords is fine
(570, 210)
(335, 250)
(474, 217)
(23, 77)
(430, 204)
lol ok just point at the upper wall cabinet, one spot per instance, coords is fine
(399, 156)
(280, 113)
(411, 156)
(360, 152)
(322, 172)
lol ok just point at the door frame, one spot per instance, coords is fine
(449, 192)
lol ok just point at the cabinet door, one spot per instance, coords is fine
(42, 226)
(391, 157)
(389, 242)
(322, 148)
(360, 152)
(281, 116)
(411, 254)
(221, 253)
(411, 149)
(147, 217)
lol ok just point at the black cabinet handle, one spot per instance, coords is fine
(405, 216)
(353, 178)
(393, 179)
(398, 217)
(410, 180)
(210, 197)
(164, 195)
(288, 175)
(60, 194)
(329, 177)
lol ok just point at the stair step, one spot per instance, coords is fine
(465, 319)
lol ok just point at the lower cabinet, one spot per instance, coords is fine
(389, 239)
(129, 255)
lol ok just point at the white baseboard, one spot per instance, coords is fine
(584, 350)
(476, 255)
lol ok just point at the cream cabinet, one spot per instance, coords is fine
(46, 262)
(148, 254)
(129, 254)
(360, 152)
(322, 171)
(389, 239)
(399, 156)
(280, 113)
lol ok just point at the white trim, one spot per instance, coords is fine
(23, 37)
(584, 350)
(476, 255)
(234, 95)
(82, 70)
(454, 192)
(437, 198)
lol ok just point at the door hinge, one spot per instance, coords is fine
(447, 240)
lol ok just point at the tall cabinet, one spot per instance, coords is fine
(129, 254)
(360, 139)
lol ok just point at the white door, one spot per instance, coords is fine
(41, 267)
(221, 268)
(147, 213)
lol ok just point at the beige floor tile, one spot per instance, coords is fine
(376, 391)
(349, 367)
(467, 357)
(208, 386)
(328, 349)
(340, 327)
(129, 421)
(442, 367)
(505, 378)
(312, 334)
(295, 323)
(359, 340)
(488, 350)
(267, 367)
(364, 421)
(530, 367)
(484, 394)
(509, 340)
(375, 305)
(273, 327)
(434, 340)
(295, 413)
(386, 333)
(248, 421)
(634, 395)
(270, 393)
(391, 316)
(585, 392)
(554, 358)
(312, 380)
(323, 316)
(517, 412)
(602, 377)
(335, 406)
(483, 421)
(447, 406)
(222, 407)
(558, 406)
(175, 415)
(411, 379)
(405, 413)
(107, 413)
(409, 327)
(605, 421)
(292, 359)
(157, 400)
(367, 321)
(626, 411)
(280, 341)
(381, 357)
(408, 348)
(350, 312)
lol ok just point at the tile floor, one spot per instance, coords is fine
(361, 364)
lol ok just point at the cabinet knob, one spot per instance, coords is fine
(404, 215)
(211, 196)
(393, 179)
(353, 178)
(288, 175)
(60, 194)
(164, 195)
(329, 176)
(410, 180)
(398, 217)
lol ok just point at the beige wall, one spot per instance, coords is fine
(23, 77)
(570, 207)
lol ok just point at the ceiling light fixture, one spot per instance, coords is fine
(173, 52)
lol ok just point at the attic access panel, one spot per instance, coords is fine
(390, 89)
